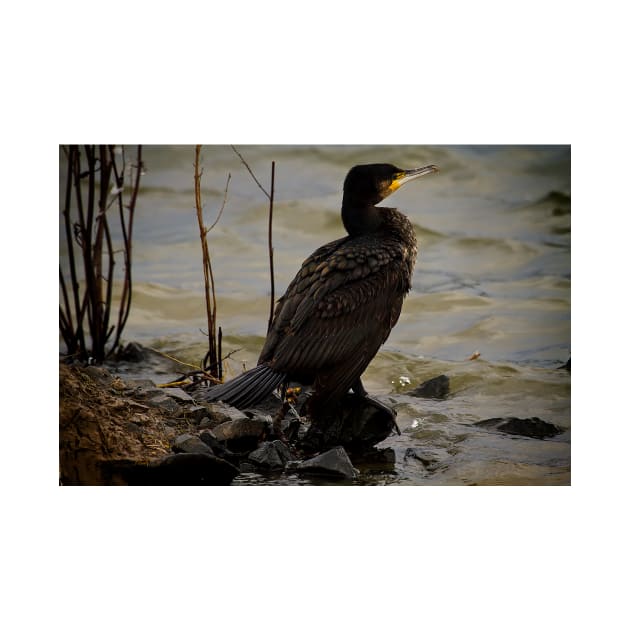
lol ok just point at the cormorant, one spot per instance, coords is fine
(343, 303)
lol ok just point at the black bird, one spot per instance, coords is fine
(343, 303)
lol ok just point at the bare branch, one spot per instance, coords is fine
(225, 192)
(211, 304)
(250, 171)
(270, 244)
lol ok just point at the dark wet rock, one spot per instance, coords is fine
(197, 414)
(178, 394)
(218, 448)
(425, 459)
(293, 430)
(132, 352)
(566, 366)
(332, 463)
(437, 387)
(357, 423)
(191, 444)
(283, 450)
(181, 469)
(247, 467)
(376, 461)
(376, 456)
(209, 437)
(243, 434)
(527, 427)
(268, 456)
(560, 201)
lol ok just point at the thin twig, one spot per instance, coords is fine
(269, 239)
(125, 300)
(271, 305)
(172, 358)
(225, 192)
(250, 171)
(220, 344)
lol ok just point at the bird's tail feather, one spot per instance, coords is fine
(248, 388)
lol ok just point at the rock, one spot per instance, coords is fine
(146, 393)
(332, 463)
(191, 444)
(376, 461)
(243, 433)
(132, 352)
(527, 427)
(247, 467)
(426, 460)
(566, 366)
(209, 437)
(182, 469)
(437, 387)
(162, 401)
(196, 414)
(357, 423)
(178, 394)
(207, 423)
(266, 456)
(377, 456)
(294, 430)
(139, 384)
(271, 455)
(219, 449)
(282, 450)
(100, 375)
(219, 412)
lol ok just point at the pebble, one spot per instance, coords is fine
(333, 463)
(162, 401)
(242, 428)
(266, 456)
(187, 443)
(220, 412)
(197, 414)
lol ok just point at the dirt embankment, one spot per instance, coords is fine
(98, 426)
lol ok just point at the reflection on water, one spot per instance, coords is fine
(493, 276)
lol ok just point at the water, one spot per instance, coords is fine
(493, 277)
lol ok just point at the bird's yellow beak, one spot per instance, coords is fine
(406, 176)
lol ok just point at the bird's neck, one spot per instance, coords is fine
(369, 219)
(360, 219)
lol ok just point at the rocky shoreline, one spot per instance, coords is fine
(130, 431)
(116, 428)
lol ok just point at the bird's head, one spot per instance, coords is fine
(368, 184)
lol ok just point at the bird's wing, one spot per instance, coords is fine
(340, 307)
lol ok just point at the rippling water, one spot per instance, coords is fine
(493, 277)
